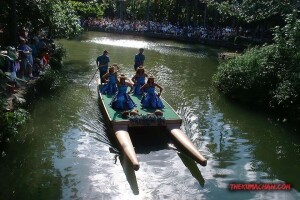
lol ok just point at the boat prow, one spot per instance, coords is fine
(124, 140)
(182, 139)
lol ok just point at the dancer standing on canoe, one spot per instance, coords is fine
(121, 100)
(139, 59)
(151, 98)
(111, 80)
(102, 64)
(139, 80)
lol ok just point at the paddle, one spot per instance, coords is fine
(92, 77)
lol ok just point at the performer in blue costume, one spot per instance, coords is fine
(121, 100)
(111, 81)
(151, 99)
(139, 80)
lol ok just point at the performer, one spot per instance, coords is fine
(139, 80)
(139, 59)
(111, 81)
(151, 98)
(102, 64)
(121, 100)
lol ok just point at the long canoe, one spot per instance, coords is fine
(170, 119)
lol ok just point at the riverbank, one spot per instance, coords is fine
(17, 95)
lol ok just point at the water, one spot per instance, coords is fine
(66, 152)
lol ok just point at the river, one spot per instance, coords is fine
(65, 152)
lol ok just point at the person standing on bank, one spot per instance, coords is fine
(102, 64)
(139, 59)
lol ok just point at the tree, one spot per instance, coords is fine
(249, 11)
(56, 16)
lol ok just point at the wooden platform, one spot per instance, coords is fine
(115, 117)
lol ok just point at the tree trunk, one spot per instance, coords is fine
(12, 24)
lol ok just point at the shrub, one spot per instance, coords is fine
(268, 75)
(10, 121)
(48, 82)
(56, 58)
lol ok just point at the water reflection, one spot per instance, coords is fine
(191, 165)
(267, 147)
(163, 48)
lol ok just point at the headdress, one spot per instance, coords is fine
(141, 68)
(151, 77)
(111, 68)
(122, 76)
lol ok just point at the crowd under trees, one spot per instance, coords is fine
(61, 17)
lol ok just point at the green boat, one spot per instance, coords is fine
(145, 118)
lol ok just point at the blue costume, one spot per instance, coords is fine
(111, 86)
(121, 100)
(103, 60)
(151, 100)
(138, 60)
(140, 81)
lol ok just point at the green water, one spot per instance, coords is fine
(63, 152)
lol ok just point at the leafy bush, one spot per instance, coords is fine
(56, 57)
(48, 82)
(63, 20)
(10, 121)
(269, 75)
(89, 9)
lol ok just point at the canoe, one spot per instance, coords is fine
(120, 124)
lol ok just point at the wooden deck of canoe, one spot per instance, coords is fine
(120, 125)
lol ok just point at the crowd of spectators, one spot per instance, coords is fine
(29, 59)
(196, 32)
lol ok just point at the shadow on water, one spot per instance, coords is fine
(130, 174)
(144, 141)
(192, 166)
(156, 139)
(149, 139)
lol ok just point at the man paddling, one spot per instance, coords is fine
(139, 59)
(102, 64)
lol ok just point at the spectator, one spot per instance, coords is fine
(26, 58)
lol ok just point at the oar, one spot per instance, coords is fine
(92, 77)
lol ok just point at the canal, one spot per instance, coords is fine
(65, 152)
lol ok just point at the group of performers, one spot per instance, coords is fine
(117, 86)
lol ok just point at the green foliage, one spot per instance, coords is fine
(268, 75)
(56, 58)
(48, 83)
(252, 10)
(51, 80)
(10, 121)
(89, 9)
(63, 21)
(147, 119)
(247, 72)
(56, 16)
